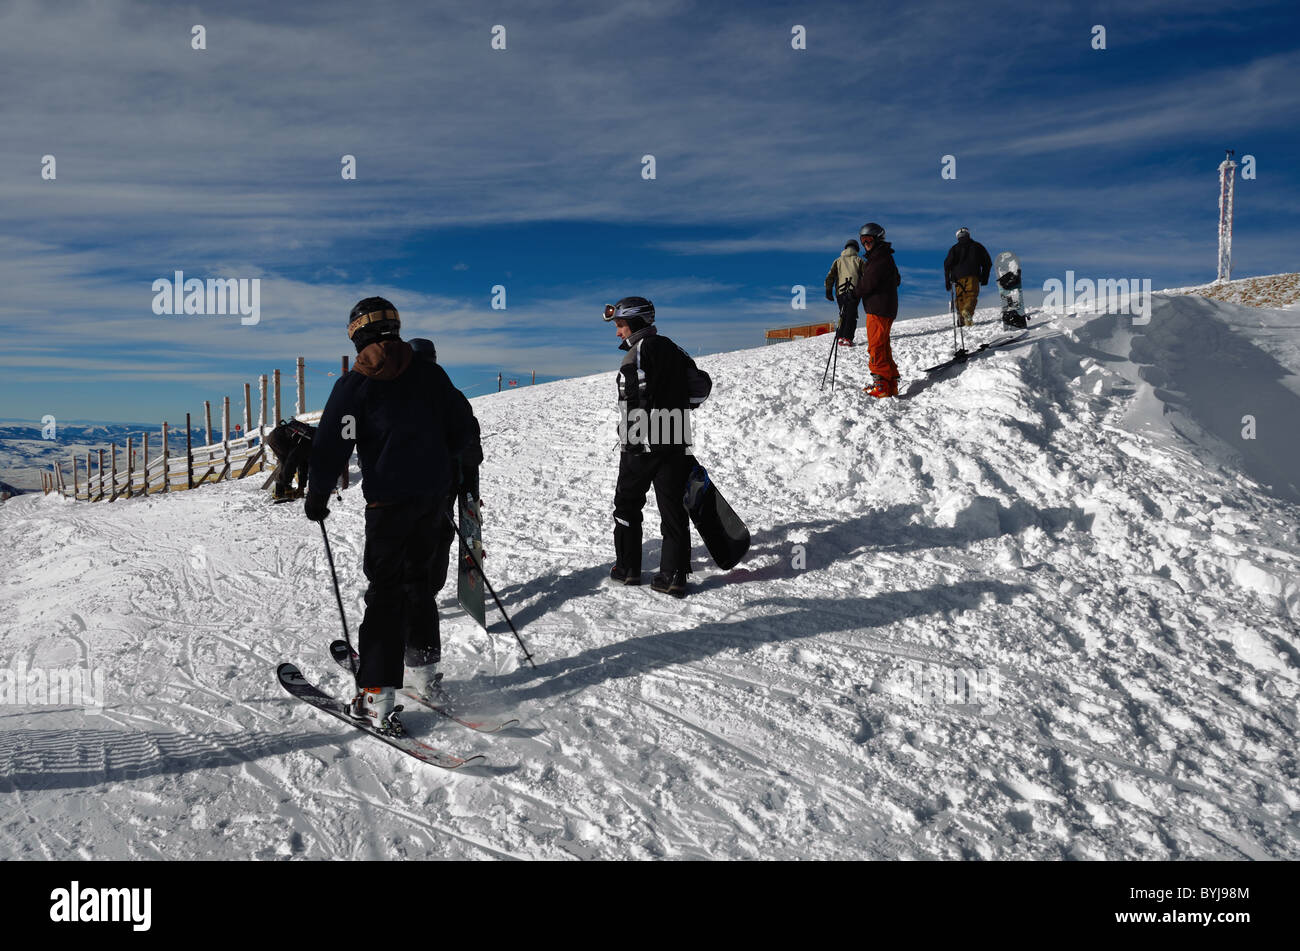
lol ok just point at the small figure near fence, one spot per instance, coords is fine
(291, 443)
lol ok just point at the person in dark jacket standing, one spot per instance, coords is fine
(967, 266)
(658, 386)
(880, 280)
(842, 283)
(404, 418)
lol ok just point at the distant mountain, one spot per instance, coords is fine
(24, 454)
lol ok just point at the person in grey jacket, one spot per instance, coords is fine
(843, 282)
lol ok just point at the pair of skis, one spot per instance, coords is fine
(293, 681)
(963, 355)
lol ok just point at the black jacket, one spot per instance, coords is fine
(464, 465)
(657, 375)
(407, 422)
(880, 280)
(966, 258)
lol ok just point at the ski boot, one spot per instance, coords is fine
(882, 388)
(378, 707)
(844, 342)
(1014, 321)
(426, 680)
(674, 584)
(623, 576)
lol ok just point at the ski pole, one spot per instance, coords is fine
(482, 574)
(835, 337)
(338, 597)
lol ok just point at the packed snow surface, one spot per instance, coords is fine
(1042, 606)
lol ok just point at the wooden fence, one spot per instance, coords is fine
(176, 468)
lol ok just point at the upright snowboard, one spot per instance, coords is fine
(724, 534)
(1007, 266)
(469, 580)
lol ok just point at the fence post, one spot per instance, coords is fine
(261, 403)
(248, 410)
(498, 382)
(300, 377)
(76, 480)
(207, 422)
(167, 476)
(278, 415)
(534, 383)
(225, 436)
(146, 463)
(58, 470)
(189, 455)
(130, 464)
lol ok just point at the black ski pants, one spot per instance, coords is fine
(402, 541)
(666, 471)
(848, 315)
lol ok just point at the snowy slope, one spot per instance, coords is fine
(1114, 572)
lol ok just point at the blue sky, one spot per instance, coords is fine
(478, 167)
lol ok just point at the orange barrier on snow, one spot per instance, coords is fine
(782, 334)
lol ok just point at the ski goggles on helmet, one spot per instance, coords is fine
(609, 311)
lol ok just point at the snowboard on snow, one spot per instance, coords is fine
(1007, 267)
(469, 580)
(724, 534)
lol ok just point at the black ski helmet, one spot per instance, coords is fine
(630, 309)
(872, 230)
(371, 320)
(424, 347)
(852, 244)
(963, 232)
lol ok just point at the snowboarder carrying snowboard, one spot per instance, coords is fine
(879, 293)
(842, 283)
(407, 422)
(658, 386)
(291, 443)
(967, 266)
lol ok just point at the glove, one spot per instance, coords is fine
(830, 296)
(316, 507)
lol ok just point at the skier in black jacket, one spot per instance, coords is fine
(408, 423)
(967, 266)
(658, 386)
